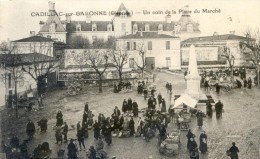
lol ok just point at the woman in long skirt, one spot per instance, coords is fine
(203, 143)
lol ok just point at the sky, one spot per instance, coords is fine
(18, 17)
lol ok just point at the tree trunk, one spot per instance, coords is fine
(120, 75)
(142, 73)
(258, 78)
(232, 73)
(16, 99)
(100, 84)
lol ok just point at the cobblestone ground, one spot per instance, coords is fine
(240, 122)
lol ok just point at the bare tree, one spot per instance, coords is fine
(225, 52)
(251, 49)
(11, 63)
(142, 54)
(98, 60)
(119, 58)
(4, 46)
(39, 66)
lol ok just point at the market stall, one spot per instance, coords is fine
(182, 107)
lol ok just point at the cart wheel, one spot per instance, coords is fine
(72, 91)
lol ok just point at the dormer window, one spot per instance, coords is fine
(94, 27)
(78, 27)
(189, 28)
(147, 28)
(52, 27)
(109, 27)
(135, 28)
(123, 14)
(160, 27)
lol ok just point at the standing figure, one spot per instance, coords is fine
(206, 84)
(249, 82)
(234, 151)
(245, 83)
(80, 137)
(59, 118)
(58, 136)
(217, 88)
(72, 150)
(203, 143)
(209, 109)
(170, 88)
(135, 109)
(159, 97)
(43, 124)
(193, 145)
(108, 135)
(219, 109)
(199, 119)
(85, 129)
(132, 126)
(189, 136)
(129, 105)
(65, 130)
(96, 129)
(30, 129)
(117, 111)
(86, 108)
(163, 109)
(124, 106)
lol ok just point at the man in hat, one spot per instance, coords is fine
(234, 151)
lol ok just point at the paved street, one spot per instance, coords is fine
(240, 122)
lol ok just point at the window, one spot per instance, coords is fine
(94, 27)
(123, 14)
(135, 28)
(189, 28)
(168, 62)
(150, 45)
(123, 27)
(134, 45)
(168, 45)
(160, 27)
(78, 28)
(94, 39)
(128, 45)
(131, 62)
(109, 27)
(52, 27)
(147, 28)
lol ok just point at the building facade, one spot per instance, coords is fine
(121, 24)
(160, 50)
(209, 50)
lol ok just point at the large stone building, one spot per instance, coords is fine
(209, 50)
(121, 24)
(160, 50)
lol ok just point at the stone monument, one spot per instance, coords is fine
(193, 78)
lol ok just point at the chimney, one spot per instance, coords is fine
(168, 19)
(51, 6)
(41, 24)
(215, 33)
(68, 18)
(232, 32)
(141, 32)
(88, 19)
(32, 33)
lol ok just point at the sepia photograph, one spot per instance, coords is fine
(129, 79)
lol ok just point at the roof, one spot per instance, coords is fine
(185, 20)
(35, 39)
(146, 35)
(101, 25)
(153, 25)
(53, 18)
(24, 59)
(216, 38)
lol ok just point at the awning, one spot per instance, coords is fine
(185, 99)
